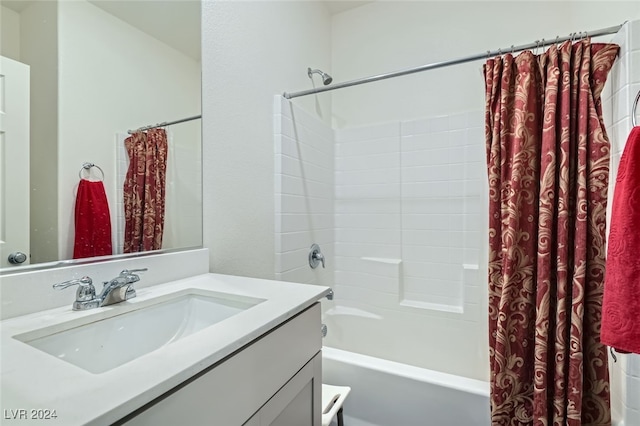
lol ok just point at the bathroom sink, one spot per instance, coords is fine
(105, 344)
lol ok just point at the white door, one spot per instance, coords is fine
(14, 163)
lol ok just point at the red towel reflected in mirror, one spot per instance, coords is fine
(92, 221)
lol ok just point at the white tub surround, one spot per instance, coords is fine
(33, 379)
(397, 209)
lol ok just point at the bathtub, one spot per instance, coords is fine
(387, 393)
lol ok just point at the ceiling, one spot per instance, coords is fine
(158, 18)
(17, 5)
(339, 6)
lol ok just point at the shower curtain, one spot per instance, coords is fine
(548, 166)
(144, 190)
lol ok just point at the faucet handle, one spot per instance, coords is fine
(130, 276)
(78, 281)
(128, 271)
(315, 256)
(131, 273)
(85, 295)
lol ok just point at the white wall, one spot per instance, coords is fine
(39, 49)
(9, 33)
(386, 36)
(149, 83)
(183, 209)
(252, 50)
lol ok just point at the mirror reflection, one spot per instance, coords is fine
(80, 78)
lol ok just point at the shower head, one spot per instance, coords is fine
(326, 78)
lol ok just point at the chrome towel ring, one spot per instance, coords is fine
(634, 110)
(87, 167)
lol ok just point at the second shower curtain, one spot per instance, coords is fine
(144, 190)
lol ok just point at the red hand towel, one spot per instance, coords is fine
(621, 304)
(93, 222)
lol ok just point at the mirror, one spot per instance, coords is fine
(96, 69)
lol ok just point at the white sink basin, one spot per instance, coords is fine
(105, 344)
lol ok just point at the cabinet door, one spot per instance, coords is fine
(297, 403)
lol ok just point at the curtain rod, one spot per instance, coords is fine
(537, 43)
(166, 123)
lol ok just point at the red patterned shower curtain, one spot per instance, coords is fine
(144, 190)
(548, 167)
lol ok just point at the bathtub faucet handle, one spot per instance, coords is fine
(315, 256)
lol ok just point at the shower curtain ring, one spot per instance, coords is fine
(513, 49)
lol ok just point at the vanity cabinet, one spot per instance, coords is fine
(274, 380)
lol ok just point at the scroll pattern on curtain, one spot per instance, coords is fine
(548, 166)
(144, 190)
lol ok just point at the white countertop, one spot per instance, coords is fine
(34, 380)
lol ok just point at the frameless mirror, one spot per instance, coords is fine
(94, 69)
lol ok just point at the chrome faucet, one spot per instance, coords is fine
(117, 290)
